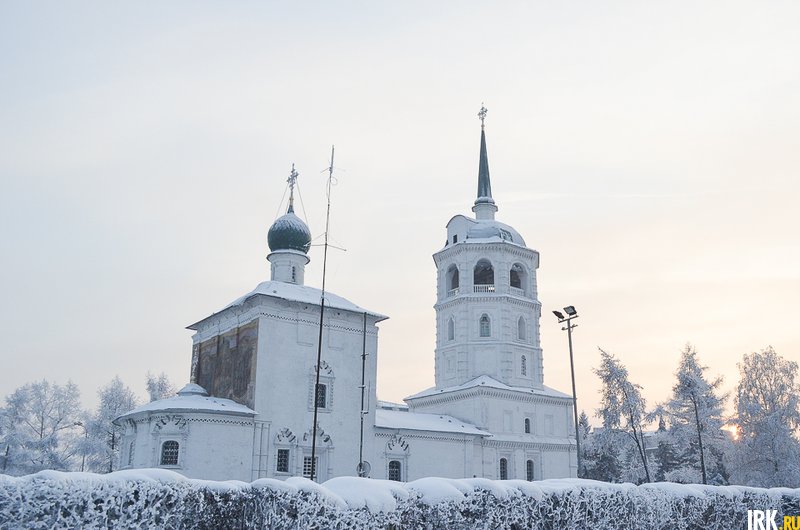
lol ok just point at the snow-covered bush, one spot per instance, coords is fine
(159, 498)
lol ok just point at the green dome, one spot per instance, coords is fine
(289, 232)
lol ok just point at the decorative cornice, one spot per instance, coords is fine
(484, 391)
(507, 298)
(386, 432)
(463, 247)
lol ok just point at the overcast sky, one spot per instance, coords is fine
(649, 151)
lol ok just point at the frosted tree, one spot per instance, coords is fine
(695, 412)
(159, 387)
(600, 455)
(115, 399)
(622, 407)
(40, 423)
(767, 452)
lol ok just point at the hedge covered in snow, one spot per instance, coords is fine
(160, 498)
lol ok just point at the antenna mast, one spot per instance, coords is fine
(321, 317)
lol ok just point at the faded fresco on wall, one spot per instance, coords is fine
(225, 365)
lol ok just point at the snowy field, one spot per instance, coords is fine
(160, 498)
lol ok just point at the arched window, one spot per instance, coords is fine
(452, 280)
(523, 366)
(527, 425)
(451, 329)
(321, 396)
(483, 273)
(517, 277)
(503, 469)
(521, 329)
(395, 470)
(529, 470)
(485, 326)
(169, 453)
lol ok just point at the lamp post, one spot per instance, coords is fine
(571, 313)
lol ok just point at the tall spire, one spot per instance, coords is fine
(292, 180)
(484, 205)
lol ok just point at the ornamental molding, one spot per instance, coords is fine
(492, 246)
(484, 391)
(413, 434)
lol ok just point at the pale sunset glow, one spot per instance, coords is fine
(648, 152)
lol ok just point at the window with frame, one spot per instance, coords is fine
(169, 453)
(527, 425)
(523, 365)
(521, 329)
(529, 470)
(282, 465)
(485, 326)
(503, 469)
(395, 470)
(308, 469)
(451, 329)
(321, 396)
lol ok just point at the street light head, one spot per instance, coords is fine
(559, 315)
(570, 310)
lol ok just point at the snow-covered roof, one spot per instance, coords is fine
(417, 421)
(192, 398)
(297, 293)
(389, 405)
(486, 381)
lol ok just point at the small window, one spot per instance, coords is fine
(308, 469)
(527, 425)
(503, 469)
(455, 238)
(521, 329)
(451, 329)
(395, 470)
(485, 326)
(529, 470)
(321, 396)
(169, 453)
(294, 274)
(523, 366)
(283, 461)
(131, 452)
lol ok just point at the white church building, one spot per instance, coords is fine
(249, 408)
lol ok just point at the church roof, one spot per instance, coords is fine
(419, 421)
(490, 382)
(297, 293)
(192, 398)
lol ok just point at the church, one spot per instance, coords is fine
(268, 364)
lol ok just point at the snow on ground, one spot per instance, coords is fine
(163, 498)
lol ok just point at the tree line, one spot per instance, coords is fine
(43, 426)
(695, 441)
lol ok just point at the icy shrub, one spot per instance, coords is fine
(158, 498)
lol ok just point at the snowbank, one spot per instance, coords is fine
(161, 498)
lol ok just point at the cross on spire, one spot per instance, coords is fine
(292, 180)
(482, 115)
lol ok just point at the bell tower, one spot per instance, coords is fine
(487, 307)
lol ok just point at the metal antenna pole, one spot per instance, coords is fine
(321, 317)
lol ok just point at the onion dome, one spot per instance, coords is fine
(289, 232)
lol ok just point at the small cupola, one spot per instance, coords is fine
(289, 240)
